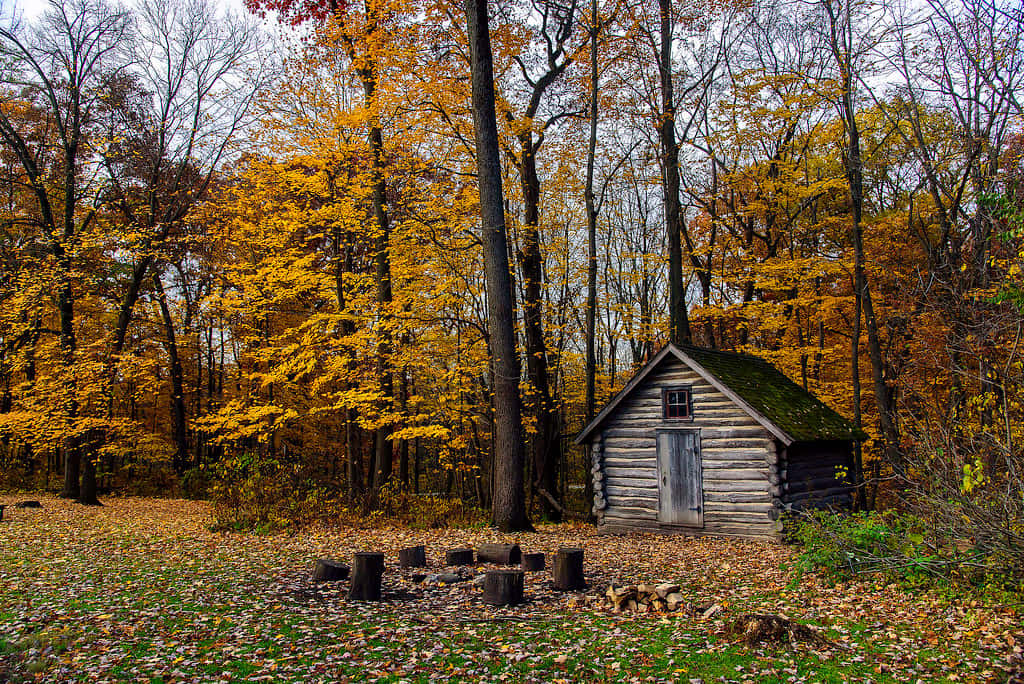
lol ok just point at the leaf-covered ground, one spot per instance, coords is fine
(141, 590)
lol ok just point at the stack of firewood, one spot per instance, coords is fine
(646, 598)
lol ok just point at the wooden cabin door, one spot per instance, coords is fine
(680, 483)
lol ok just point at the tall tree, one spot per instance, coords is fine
(509, 506)
(168, 134)
(64, 66)
(359, 28)
(841, 41)
(556, 31)
(679, 319)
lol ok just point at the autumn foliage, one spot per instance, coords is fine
(287, 309)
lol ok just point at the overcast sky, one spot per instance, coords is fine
(30, 9)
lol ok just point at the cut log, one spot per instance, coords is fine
(502, 554)
(568, 570)
(413, 557)
(458, 557)
(663, 590)
(366, 573)
(28, 504)
(328, 570)
(503, 587)
(533, 562)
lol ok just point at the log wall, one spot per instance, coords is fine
(741, 476)
(818, 474)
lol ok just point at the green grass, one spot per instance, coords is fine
(162, 608)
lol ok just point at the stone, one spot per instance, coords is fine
(674, 600)
(447, 578)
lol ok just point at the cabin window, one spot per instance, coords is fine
(677, 403)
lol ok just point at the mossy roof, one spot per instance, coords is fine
(771, 393)
(782, 406)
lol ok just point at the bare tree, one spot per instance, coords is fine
(172, 120)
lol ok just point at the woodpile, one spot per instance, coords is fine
(645, 598)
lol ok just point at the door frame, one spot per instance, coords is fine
(700, 469)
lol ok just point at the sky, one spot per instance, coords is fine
(30, 9)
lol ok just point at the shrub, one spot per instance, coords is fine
(844, 544)
(263, 492)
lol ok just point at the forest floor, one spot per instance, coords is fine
(142, 590)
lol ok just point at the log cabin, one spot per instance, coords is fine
(705, 442)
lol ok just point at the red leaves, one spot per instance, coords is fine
(296, 12)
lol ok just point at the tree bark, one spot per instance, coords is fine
(366, 576)
(503, 587)
(509, 510)
(679, 319)
(383, 449)
(840, 42)
(178, 419)
(568, 570)
(590, 361)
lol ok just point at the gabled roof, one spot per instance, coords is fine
(778, 404)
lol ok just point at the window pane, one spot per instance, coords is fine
(677, 404)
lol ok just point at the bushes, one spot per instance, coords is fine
(902, 547)
(263, 492)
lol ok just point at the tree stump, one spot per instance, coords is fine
(532, 562)
(458, 557)
(328, 570)
(413, 557)
(502, 554)
(366, 573)
(503, 587)
(568, 570)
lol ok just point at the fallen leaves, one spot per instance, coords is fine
(140, 589)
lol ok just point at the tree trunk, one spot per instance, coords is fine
(590, 362)
(72, 469)
(545, 444)
(366, 576)
(841, 46)
(68, 343)
(503, 587)
(509, 510)
(383, 449)
(679, 320)
(180, 426)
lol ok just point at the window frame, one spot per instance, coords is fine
(689, 402)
